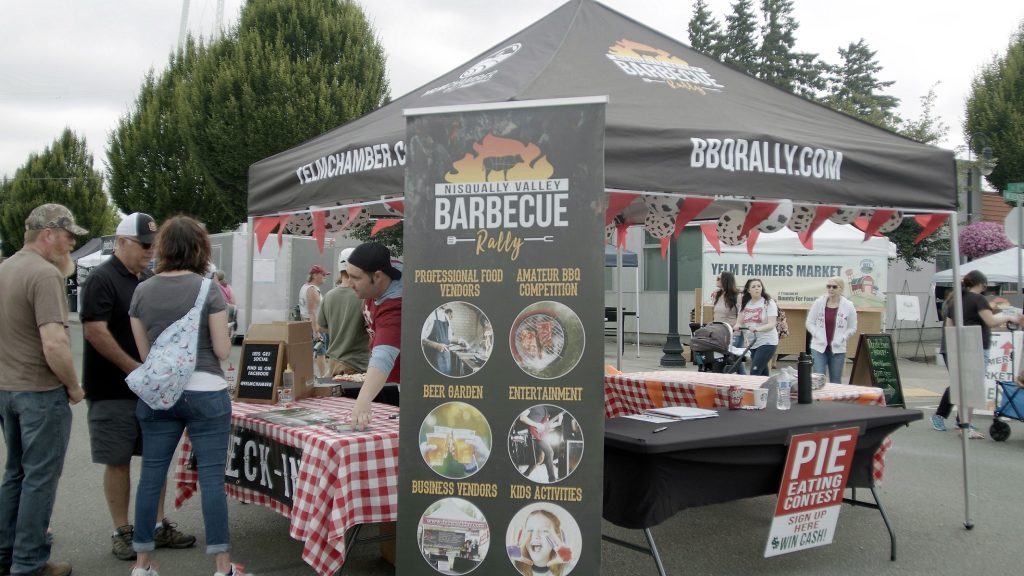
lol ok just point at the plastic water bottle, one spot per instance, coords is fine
(285, 394)
(785, 380)
(231, 377)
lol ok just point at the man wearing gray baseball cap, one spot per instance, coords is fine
(38, 381)
(110, 354)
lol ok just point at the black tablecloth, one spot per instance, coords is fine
(739, 454)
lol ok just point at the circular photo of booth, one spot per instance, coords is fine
(545, 443)
(455, 440)
(547, 340)
(453, 536)
(543, 539)
(457, 339)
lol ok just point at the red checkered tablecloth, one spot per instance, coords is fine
(343, 480)
(633, 392)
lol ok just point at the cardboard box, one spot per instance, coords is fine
(298, 340)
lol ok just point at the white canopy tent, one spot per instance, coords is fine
(999, 268)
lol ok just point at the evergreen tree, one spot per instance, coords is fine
(293, 70)
(775, 57)
(149, 164)
(705, 31)
(740, 38)
(855, 88)
(995, 112)
(61, 174)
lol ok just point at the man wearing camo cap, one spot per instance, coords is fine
(38, 381)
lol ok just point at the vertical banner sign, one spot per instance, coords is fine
(502, 420)
(811, 493)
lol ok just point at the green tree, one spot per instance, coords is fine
(995, 109)
(740, 38)
(927, 128)
(775, 56)
(705, 31)
(61, 174)
(390, 237)
(854, 87)
(291, 71)
(149, 164)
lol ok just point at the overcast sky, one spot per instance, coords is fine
(80, 64)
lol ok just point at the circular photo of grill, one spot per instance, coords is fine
(547, 340)
(453, 536)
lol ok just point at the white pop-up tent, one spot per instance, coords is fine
(999, 268)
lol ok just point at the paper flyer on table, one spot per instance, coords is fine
(673, 414)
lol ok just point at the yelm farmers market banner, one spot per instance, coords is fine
(800, 279)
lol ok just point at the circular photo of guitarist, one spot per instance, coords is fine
(545, 443)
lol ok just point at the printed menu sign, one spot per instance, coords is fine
(876, 366)
(260, 371)
(502, 418)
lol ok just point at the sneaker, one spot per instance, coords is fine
(121, 543)
(938, 423)
(168, 536)
(140, 571)
(236, 570)
(973, 433)
(55, 569)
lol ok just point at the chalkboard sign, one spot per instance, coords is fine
(875, 365)
(260, 371)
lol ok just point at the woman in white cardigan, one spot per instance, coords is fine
(831, 321)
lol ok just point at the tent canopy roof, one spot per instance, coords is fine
(677, 121)
(999, 268)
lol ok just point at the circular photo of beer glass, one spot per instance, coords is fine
(455, 440)
(457, 339)
(545, 443)
(453, 536)
(547, 340)
(543, 538)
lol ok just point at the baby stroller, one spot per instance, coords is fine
(713, 343)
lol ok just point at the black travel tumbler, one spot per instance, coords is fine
(803, 379)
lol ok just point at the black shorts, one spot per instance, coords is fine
(114, 432)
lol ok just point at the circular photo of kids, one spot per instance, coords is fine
(543, 539)
(547, 340)
(545, 443)
(455, 440)
(453, 536)
(457, 339)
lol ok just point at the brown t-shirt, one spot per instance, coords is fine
(31, 295)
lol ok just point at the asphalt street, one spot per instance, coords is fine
(922, 493)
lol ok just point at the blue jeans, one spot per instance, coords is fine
(207, 416)
(760, 357)
(37, 428)
(832, 361)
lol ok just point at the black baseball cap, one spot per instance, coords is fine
(371, 257)
(138, 225)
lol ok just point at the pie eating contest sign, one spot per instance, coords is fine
(502, 418)
(811, 494)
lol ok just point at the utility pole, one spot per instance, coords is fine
(219, 32)
(183, 28)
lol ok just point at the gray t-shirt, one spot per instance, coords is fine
(162, 300)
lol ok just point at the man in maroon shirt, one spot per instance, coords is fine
(378, 281)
